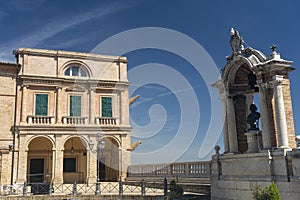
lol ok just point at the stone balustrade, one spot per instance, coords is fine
(106, 121)
(188, 169)
(40, 120)
(68, 120)
(75, 120)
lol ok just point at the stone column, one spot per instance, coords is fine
(92, 106)
(24, 103)
(58, 105)
(92, 173)
(124, 108)
(58, 170)
(266, 138)
(280, 113)
(232, 134)
(225, 125)
(22, 163)
(58, 158)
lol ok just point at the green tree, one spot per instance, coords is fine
(274, 192)
(267, 193)
(175, 191)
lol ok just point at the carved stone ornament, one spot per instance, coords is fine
(236, 41)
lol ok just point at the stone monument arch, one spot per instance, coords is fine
(246, 73)
(255, 155)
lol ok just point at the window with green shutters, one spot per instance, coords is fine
(75, 106)
(106, 103)
(41, 104)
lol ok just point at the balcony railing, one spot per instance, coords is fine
(75, 120)
(40, 120)
(106, 121)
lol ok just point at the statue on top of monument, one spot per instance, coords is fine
(253, 118)
(236, 41)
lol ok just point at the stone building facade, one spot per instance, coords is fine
(71, 119)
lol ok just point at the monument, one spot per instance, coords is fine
(255, 155)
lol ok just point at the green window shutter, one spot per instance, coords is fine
(41, 104)
(106, 107)
(75, 106)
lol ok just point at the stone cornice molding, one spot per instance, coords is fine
(275, 65)
(70, 54)
(68, 129)
(59, 82)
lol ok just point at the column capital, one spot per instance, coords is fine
(24, 87)
(278, 79)
(91, 90)
(58, 88)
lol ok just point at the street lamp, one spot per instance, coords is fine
(100, 148)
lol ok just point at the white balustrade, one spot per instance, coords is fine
(194, 169)
(75, 120)
(40, 120)
(107, 121)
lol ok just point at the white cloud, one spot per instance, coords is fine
(56, 26)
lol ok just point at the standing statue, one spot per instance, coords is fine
(253, 118)
(236, 41)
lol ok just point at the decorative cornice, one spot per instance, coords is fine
(67, 129)
(59, 82)
(70, 54)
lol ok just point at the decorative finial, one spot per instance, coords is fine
(273, 47)
(217, 149)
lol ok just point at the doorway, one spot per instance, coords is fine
(36, 170)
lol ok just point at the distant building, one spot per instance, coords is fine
(66, 104)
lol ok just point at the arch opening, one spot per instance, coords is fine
(109, 160)
(242, 89)
(40, 159)
(75, 161)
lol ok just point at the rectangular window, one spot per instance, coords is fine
(75, 106)
(69, 165)
(41, 104)
(106, 103)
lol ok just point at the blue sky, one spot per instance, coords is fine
(82, 25)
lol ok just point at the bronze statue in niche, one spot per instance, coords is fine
(253, 118)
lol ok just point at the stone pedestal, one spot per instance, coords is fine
(252, 140)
